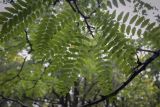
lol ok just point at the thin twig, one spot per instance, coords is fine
(85, 18)
(138, 61)
(145, 50)
(99, 3)
(55, 2)
(14, 100)
(28, 41)
(17, 75)
(41, 100)
(68, 1)
(37, 80)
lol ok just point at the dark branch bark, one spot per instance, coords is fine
(68, 1)
(131, 77)
(14, 100)
(145, 50)
(28, 41)
(55, 2)
(75, 94)
(85, 18)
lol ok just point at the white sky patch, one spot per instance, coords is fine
(135, 37)
(71, 91)
(49, 74)
(79, 75)
(46, 64)
(31, 71)
(148, 69)
(24, 54)
(35, 105)
(146, 76)
(89, 5)
(159, 77)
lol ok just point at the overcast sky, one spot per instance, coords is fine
(129, 7)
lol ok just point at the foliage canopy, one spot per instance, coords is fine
(68, 52)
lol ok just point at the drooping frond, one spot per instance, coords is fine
(138, 26)
(20, 15)
(152, 36)
(51, 29)
(113, 41)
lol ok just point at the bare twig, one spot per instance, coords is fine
(68, 1)
(145, 50)
(14, 100)
(41, 100)
(28, 41)
(55, 2)
(138, 61)
(99, 3)
(85, 18)
(37, 80)
(17, 75)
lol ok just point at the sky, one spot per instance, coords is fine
(156, 3)
(153, 2)
(127, 8)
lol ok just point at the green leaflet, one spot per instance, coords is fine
(113, 14)
(139, 21)
(115, 3)
(123, 27)
(125, 17)
(120, 16)
(139, 32)
(122, 2)
(11, 9)
(128, 29)
(145, 23)
(5, 14)
(133, 19)
(133, 31)
(22, 3)
(109, 3)
(150, 26)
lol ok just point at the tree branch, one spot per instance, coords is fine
(45, 100)
(145, 50)
(138, 62)
(76, 9)
(37, 80)
(131, 77)
(68, 1)
(28, 41)
(14, 100)
(55, 2)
